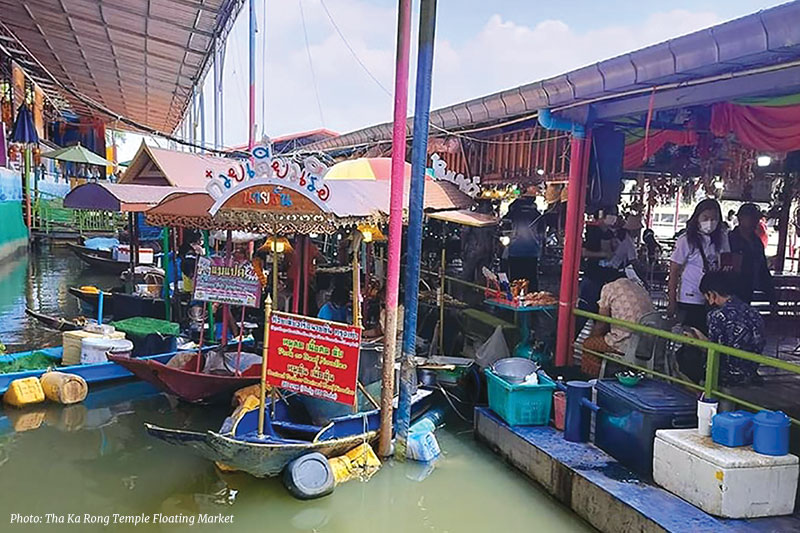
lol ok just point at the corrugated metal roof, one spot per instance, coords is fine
(765, 38)
(138, 58)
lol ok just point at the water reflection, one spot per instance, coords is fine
(95, 458)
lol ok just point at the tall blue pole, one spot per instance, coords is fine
(419, 155)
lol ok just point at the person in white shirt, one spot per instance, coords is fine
(625, 252)
(698, 251)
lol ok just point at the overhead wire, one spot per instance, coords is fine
(311, 63)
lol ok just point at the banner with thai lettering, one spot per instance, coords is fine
(216, 282)
(314, 357)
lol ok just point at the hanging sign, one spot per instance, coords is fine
(313, 357)
(469, 186)
(305, 178)
(216, 282)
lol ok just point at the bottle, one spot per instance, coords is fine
(428, 422)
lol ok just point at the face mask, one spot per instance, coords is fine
(708, 226)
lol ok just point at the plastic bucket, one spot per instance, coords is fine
(771, 433)
(706, 409)
(94, 349)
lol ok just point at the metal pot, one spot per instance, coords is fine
(514, 369)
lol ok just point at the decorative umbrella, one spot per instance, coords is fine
(24, 131)
(77, 154)
(367, 168)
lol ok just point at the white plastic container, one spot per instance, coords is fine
(723, 481)
(94, 350)
(706, 409)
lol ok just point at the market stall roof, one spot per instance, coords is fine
(117, 197)
(466, 217)
(159, 166)
(769, 38)
(138, 58)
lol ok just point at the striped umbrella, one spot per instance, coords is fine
(24, 131)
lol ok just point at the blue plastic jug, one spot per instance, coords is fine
(734, 428)
(771, 433)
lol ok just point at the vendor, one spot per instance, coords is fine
(526, 239)
(335, 310)
(749, 261)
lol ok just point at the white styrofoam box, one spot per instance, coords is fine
(722, 481)
(123, 254)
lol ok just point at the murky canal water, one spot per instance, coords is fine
(96, 459)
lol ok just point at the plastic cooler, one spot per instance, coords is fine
(628, 418)
(150, 336)
(521, 404)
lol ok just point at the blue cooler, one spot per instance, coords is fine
(628, 418)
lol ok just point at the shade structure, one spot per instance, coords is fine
(77, 154)
(118, 197)
(467, 218)
(24, 130)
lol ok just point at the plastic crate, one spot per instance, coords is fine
(521, 405)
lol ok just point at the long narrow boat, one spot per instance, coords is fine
(188, 385)
(102, 264)
(58, 324)
(238, 446)
(78, 250)
(92, 373)
(90, 298)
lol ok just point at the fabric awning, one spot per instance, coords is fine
(466, 217)
(118, 197)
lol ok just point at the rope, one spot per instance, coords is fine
(311, 63)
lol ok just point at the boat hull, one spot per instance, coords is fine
(186, 385)
(93, 373)
(58, 324)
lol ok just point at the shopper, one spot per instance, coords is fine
(526, 240)
(697, 252)
(335, 309)
(749, 260)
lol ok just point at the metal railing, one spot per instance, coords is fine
(49, 215)
(713, 350)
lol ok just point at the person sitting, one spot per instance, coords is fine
(335, 310)
(623, 299)
(732, 323)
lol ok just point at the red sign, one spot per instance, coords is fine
(314, 357)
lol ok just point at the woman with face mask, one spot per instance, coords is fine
(697, 252)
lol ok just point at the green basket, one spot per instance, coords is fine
(521, 404)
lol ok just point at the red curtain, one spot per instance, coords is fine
(772, 129)
(635, 152)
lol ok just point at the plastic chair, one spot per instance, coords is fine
(648, 350)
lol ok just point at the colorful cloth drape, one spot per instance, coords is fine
(767, 128)
(635, 152)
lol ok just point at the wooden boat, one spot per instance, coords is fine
(187, 385)
(92, 373)
(90, 298)
(102, 264)
(58, 324)
(78, 249)
(238, 445)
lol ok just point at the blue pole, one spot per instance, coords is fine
(419, 155)
(100, 309)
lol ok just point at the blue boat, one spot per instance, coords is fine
(92, 373)
(238, 446)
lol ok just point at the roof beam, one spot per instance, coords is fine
(121, 8)
(773, 82)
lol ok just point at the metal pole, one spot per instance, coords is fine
(356, 280)
(211, 332)
(395, 221)
(165, 264)
(225, 313)
(419, 154)
(573, 230)
(306, 271)
(130, 255)
(219, 54)
(263, 395)
(275, 271)
(202, 117)
(677, 209)
(251, 130)
(441, 299)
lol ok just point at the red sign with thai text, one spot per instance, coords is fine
(314, 357)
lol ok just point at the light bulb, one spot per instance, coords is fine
(505, 240)
(763, 161)
(367, 235)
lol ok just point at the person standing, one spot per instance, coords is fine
(749, 260)
(697, 252)
(525, 245)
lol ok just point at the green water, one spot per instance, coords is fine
(96, 459)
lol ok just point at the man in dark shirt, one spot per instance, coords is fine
(526, 240)
(733, 323)
(749, 259)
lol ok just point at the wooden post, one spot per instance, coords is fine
(356, 280)
(263, 395)
(275, 271)
(783, 220)
(209, 306)
(130, 257)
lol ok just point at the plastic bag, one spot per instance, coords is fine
(493, 349)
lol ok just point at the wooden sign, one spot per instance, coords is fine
(216, 282)
(314, 357)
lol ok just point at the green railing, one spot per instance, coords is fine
(49, 215)
(713, 351)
